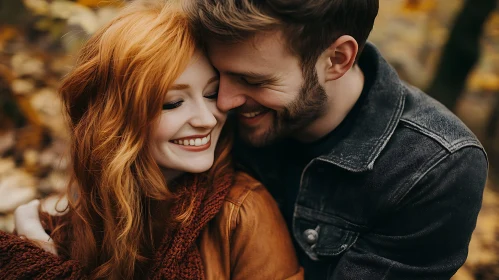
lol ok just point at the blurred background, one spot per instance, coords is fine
(450, 49)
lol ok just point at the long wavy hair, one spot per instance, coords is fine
(113, 99)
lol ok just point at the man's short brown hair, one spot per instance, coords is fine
(310, 26)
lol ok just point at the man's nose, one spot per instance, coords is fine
(229, 96)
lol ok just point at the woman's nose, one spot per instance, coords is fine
(203, 117)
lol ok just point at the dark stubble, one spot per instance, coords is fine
(310, 105)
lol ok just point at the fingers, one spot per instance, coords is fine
(48, 245)
(28, 224)
(26, 218)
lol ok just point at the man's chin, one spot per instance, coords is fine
(256, 138)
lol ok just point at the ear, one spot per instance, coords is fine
(339, 57)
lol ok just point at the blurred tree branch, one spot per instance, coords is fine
(493, 121)
(461, 52)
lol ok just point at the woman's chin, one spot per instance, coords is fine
(194, 165)
(198, 168)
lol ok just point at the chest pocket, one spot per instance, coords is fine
(321, 236)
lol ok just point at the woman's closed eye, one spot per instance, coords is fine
(172, 105)
(176, 104)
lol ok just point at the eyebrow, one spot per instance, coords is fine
(186, 86)
(263, 78)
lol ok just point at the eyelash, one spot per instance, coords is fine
(214, 95)
(173, 105)
(176, 104)
(252, 84)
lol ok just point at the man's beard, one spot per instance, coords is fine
(310, 105)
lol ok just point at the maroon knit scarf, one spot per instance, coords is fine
(177, 257)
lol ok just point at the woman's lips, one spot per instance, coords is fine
(195, 143)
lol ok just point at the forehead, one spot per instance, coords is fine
(263, 52)
(197, 72)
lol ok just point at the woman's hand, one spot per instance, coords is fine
(28, 225)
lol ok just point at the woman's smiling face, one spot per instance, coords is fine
(190, 123)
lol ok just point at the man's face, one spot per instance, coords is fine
(264, 82)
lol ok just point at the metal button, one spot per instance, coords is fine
(311, 236)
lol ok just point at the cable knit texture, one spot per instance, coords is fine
(21, 259)
(177, 257)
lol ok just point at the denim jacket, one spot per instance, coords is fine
(396, 198)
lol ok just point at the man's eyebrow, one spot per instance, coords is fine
(266, 78)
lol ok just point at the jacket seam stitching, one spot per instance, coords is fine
(416, 127)
(324, 216)
(378, 145)
(451, 147)
(231, 224)
(236, 207)
(432, 168)
(389, 130)
(387, 271)
(428, 166)
(240, 198)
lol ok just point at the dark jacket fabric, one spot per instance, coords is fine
(397, 197)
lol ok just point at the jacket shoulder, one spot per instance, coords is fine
(243, 186)
(248, 203)
(430, 118)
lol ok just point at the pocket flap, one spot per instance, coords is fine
(319, 238)
(333, 240)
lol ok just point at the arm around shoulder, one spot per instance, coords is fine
(261, 247)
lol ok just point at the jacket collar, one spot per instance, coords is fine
(377, 119)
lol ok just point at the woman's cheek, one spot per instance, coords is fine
(219, 115)
(165, 128)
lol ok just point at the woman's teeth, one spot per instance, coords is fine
(252, 114)
(193, 141)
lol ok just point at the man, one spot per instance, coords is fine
(375, 179)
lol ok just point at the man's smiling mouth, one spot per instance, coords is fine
(254, 113)
(251, 114)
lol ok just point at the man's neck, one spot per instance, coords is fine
(342, 94)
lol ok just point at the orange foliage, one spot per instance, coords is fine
(412, 6)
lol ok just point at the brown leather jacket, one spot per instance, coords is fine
(248, 239)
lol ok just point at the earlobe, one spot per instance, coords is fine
(341, 54)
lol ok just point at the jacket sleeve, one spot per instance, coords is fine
(22, 259)
(427, 236)
(261, 247)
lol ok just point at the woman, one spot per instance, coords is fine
(154, 194)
